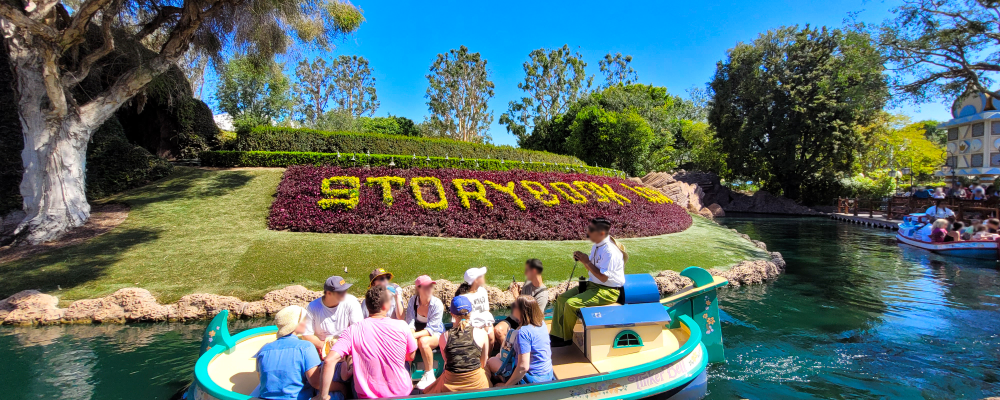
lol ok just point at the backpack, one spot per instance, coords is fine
(508, 357)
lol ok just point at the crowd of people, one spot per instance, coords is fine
(944, 227)
(339, 347)
(957, 191)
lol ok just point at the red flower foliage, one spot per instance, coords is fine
(295, 207)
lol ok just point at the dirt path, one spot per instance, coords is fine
(103, 218)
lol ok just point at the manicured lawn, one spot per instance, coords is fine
(205, 231)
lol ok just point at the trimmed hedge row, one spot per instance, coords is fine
(229, 159)
(268, 138)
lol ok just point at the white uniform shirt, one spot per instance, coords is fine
(610, 261)
(480, 315)
(324, 321)
(939, 212)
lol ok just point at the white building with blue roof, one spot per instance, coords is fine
(974, 139)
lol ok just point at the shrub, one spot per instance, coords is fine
(230, 159)
(115, 165)
(268, 138)
(464, 203)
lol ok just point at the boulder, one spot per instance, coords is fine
(764, 202)
(29, 307)
(201, 305)
(716, 210)
(275, 300)
(139, 305)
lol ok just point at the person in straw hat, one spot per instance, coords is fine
(606, 269)
(384, 278)
(288, 367)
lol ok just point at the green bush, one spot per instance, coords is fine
(267, 138)
(229, 159)
(115, 165)
(875, 186)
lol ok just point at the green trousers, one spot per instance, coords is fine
(564, 313)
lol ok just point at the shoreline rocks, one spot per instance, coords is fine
(703, 193)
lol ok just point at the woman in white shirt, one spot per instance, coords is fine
(474, 289)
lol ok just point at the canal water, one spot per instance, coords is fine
(854, 316)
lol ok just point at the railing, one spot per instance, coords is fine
(897, 206)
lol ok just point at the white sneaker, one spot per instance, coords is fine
(426, 380)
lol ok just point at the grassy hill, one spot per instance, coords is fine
(203, 230)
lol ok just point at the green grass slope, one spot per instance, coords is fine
(205, 231)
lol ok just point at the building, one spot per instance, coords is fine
(973, 139)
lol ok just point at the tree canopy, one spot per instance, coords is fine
(553, 79)
(788, 106)
(941, 48)
(459, 89)
(253, 93)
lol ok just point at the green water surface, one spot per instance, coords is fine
(855, 316)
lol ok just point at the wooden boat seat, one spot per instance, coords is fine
(569, 362)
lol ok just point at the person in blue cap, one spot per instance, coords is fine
(465, 350)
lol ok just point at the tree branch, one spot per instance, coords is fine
(70, 79)
(74, 33)
(22, 21)
(166, 14)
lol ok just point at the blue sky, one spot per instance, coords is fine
(674, 44)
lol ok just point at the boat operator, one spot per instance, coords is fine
(606, 269)
(939, 212)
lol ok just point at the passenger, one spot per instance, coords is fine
(938, 193)
(424, 314)
(475, 280)
(465, 351)
(979, 193)
(968, 231)
(993, 225)
(937, 211)
(533, 286)
(606, 267)
(288, 367)
(938, 230)
(382, 277)
(981, 233)
(327, 317)
(955, 234)
(381, 349)
(534, 353)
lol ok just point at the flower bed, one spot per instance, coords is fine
(516, 204)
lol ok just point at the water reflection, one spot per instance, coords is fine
(858, 316)
(855, 316)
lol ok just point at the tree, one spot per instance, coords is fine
(700, 148)
(617, 70)
(941, 48)
(313, 87)
(610, 139)
(552, 79)
(787, 107)
(354, 86)
(51, 59)
(253, 93)
(893, 142)
(457, 96)
(391, 125)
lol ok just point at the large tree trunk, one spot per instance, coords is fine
(55, 145)
(53, 187)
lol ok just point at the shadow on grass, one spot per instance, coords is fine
(71, 266)
(190, 183)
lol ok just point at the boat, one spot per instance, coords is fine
(915, 231)
(640, 347)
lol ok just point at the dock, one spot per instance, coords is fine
(875, 221)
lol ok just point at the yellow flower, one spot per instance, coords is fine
(541, 193)
(387, 182)
(336, 196)
(464, 195)
(415, 185)
(509, 189)
(569, 192)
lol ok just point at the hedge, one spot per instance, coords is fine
(267, 138)
(229, 159)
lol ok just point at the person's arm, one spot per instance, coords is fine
(523, 362)
(484, 356)
(411, 348)
(410, 316)
(435, 317)
(399, 302)
(593, 269)
(329, 368)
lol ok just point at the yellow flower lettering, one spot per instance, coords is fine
(569, 192)
(509, 189)
(541, 193)
(464, 195)
(344, 198)
(415, 185)
(387, 182)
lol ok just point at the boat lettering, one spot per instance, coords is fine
(599, 390)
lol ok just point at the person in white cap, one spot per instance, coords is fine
(288, 367)
(474, 289)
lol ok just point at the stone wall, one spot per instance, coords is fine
(704, 194)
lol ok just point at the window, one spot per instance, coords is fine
(953, 134)
(995, 160)
(626, 339)
(977, 160)
(978, 129)
(951, 161)
(995, 127)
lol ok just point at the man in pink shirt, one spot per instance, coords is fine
(380, 348)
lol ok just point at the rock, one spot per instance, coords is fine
(764, 202)
(139, 305)
(759, 244)
(275, 300)
(29, 307)
(201, 305)
(705, 212)
(716, 210)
